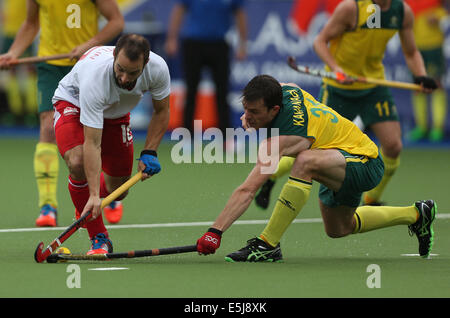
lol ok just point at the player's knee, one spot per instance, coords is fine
(76, 166)
(393, 148)
(339, 229)
(337, 233)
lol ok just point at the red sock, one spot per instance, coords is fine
(79, 192)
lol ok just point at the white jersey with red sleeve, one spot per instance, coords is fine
(91, 86)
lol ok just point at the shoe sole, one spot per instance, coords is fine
(433, 215)
(270, 260)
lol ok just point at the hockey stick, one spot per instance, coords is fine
(38, 59)
(54, 258)
(41, 255)
(340, 77)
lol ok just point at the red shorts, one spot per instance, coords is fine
(117, 139)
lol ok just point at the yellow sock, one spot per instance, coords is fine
(390, 166)
(420, 110)
(370, 218)
(439, 105)
(13, 96)
(46, 168)
(284, 166)
(293, 196)
(31, 94)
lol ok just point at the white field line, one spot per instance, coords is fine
(155, 225)
(181, 224)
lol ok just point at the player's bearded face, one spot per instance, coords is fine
(258, 115)
(126, 72)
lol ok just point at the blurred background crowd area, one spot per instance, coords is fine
(276, 29)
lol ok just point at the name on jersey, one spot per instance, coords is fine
(297, 103)
(70, 111)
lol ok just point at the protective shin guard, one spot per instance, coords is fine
(46, 169)
(293, 196)
(370, 218)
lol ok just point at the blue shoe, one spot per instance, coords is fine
(47, 216)
(101, 244)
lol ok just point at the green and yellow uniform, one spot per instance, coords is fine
(64, 25)
(301, 115)
(360, 52)
(21, 93)
(429, 40)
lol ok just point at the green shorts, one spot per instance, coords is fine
(434, 62)
(8, 41)
(47, 82)
(361, 174)
(372, 105)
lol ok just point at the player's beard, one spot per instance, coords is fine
(128, 86)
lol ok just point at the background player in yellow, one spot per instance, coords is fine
(326, 148)
(19, 84)
(430, 39)
(65, 26)
(353, 42)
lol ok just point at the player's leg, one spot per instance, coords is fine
(262, 198)
(439, 114)
(435, 66)
(420, 110)
(342, 216)
(46, 161)
(322, 165)
(192, 66)
(218, 61)
(70, 138)
(379, 113)
(389, 136)
(436, 69)
(117, 163)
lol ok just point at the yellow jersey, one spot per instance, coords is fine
(302, 115)
(65, 24)
(13, 16)
(360, 52)
(429, 36)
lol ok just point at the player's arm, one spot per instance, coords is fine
(92, 167)
(412, 55)
(155, 132)
(25, 36)
(269, 154)
(242, 196)
(342, 20)
(114, 26)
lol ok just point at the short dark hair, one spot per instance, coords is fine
(134, 45)
(265, 87)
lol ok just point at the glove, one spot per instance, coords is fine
(209, 242)
(150, 159)
(426, 82)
